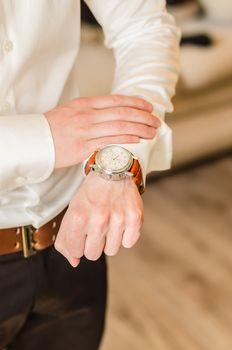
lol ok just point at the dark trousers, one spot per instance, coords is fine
(46, 304)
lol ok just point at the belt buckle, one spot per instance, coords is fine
(27, 240)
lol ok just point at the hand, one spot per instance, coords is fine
(101, 216)
(84, 124)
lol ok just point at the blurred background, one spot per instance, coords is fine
(173, 291)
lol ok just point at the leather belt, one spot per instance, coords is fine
(29, 239)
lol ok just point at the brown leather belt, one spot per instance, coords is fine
(29, 239)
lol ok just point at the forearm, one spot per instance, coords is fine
(145, 41)
(32, 146)
(147, 66)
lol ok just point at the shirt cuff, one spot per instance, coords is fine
(155, 154)
(27, 152)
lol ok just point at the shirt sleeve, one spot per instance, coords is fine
(145, 41)
(26, 150)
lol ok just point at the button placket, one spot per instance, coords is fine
(7, 45)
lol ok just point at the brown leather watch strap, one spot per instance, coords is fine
(29, 239)
(136, 170)
(91, 161)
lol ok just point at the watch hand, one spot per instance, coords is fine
(115, 157)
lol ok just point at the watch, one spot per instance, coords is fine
(115, 162)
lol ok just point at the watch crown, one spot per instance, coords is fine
(129, 174)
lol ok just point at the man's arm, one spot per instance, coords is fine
(145, 41)
(105, 215)
(32, 146)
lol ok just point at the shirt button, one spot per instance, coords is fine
(5, 107)
(7, 45)
(38, 208)
(19, 180)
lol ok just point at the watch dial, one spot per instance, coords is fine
(114, 158)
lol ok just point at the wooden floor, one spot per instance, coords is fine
(173, 291)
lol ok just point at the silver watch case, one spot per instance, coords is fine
(113, 175)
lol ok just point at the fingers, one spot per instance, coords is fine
(126, 220)
(74, 262)
(127, 114)
(121, 127)
(95, 240)
(114, 234)
(100, 102)
(71, 237)
(60, 247)
(133, 226)
(130, 237)
(123, 230)
(94, 245)
(135, 216)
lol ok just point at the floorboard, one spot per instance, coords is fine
(173, 291)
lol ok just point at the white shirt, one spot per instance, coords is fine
(39, 43)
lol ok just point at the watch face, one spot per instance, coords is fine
(115, 159)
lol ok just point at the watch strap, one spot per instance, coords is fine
(91, 161)
(136, 171)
